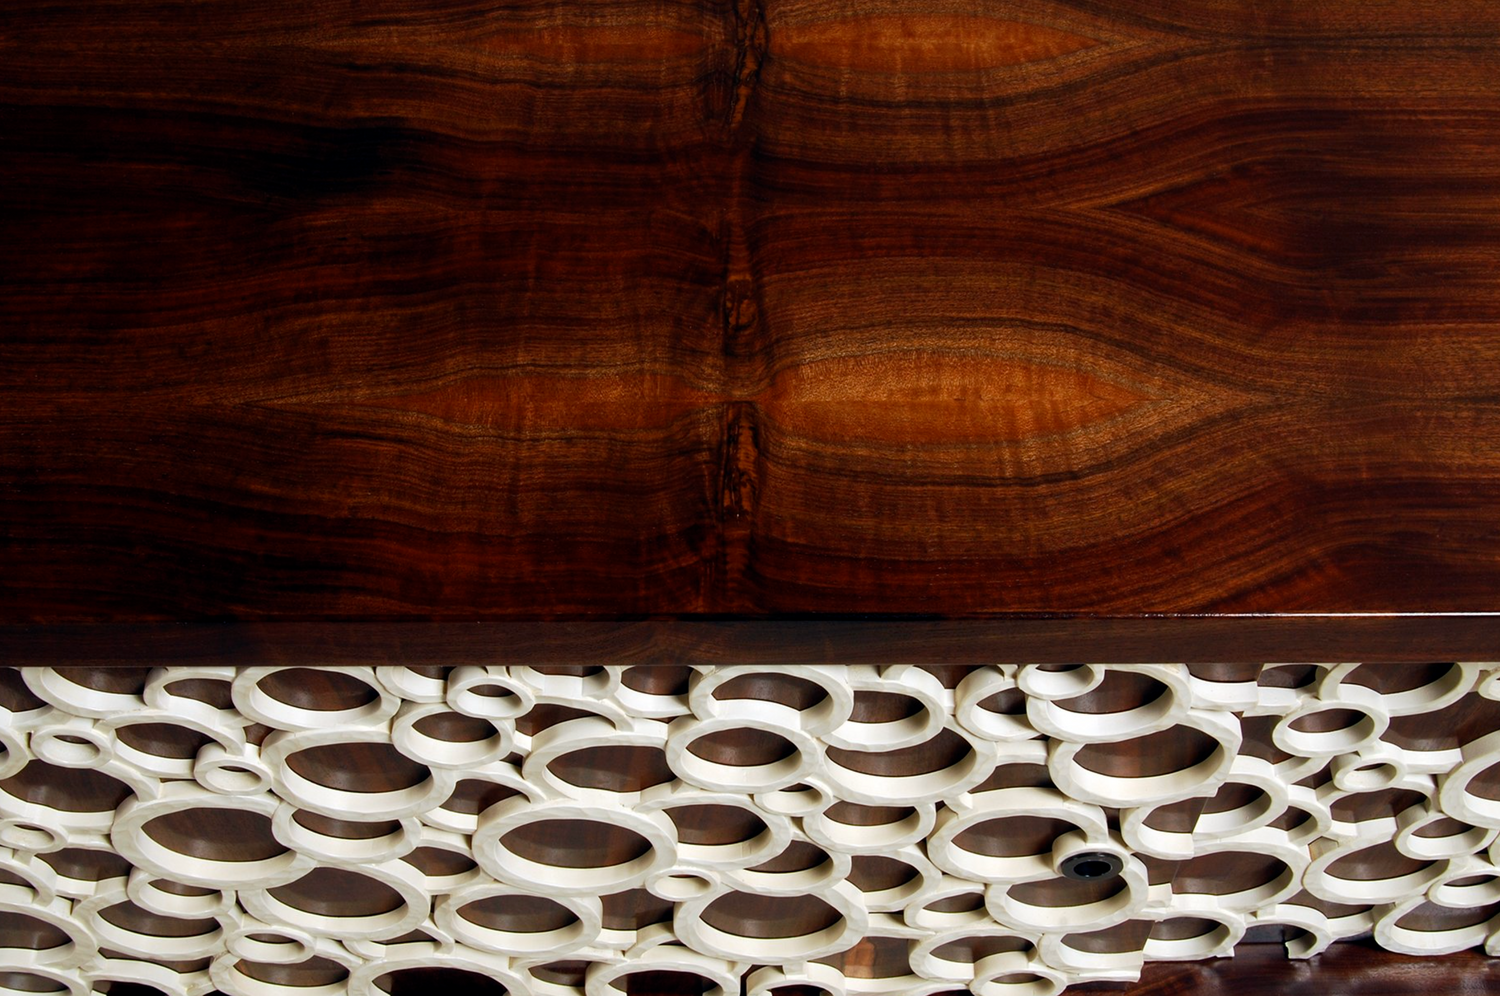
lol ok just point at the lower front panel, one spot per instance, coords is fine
(557, 831)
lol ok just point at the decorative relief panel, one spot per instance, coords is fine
(593, 831)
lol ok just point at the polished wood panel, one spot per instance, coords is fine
(325, 316)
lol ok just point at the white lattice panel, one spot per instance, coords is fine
(270, 832)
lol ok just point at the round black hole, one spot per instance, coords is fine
(1091, 866)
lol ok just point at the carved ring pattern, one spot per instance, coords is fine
(854, 830)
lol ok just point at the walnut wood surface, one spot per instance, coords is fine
(330, 313)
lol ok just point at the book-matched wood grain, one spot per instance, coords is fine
(463, 311)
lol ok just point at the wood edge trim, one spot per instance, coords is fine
(1394, 638)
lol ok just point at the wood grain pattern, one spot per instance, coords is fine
(746, 308)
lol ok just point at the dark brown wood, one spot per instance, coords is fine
(415, 981)
(1149, 326)
(71, 790)
(863, 640)
(338, 892)
(1356, 969)
(17, 930)
(634, 909)
(87, 865)
(129, 916)
(748, 915)
(1255, 970)
(576, 843)
(216, 834)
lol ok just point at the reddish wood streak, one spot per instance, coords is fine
(917, 43)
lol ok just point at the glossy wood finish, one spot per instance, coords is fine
(858, 640)
(318, 314)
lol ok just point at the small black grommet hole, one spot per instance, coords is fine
(1091, 866)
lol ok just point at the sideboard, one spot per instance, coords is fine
(780, 439)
